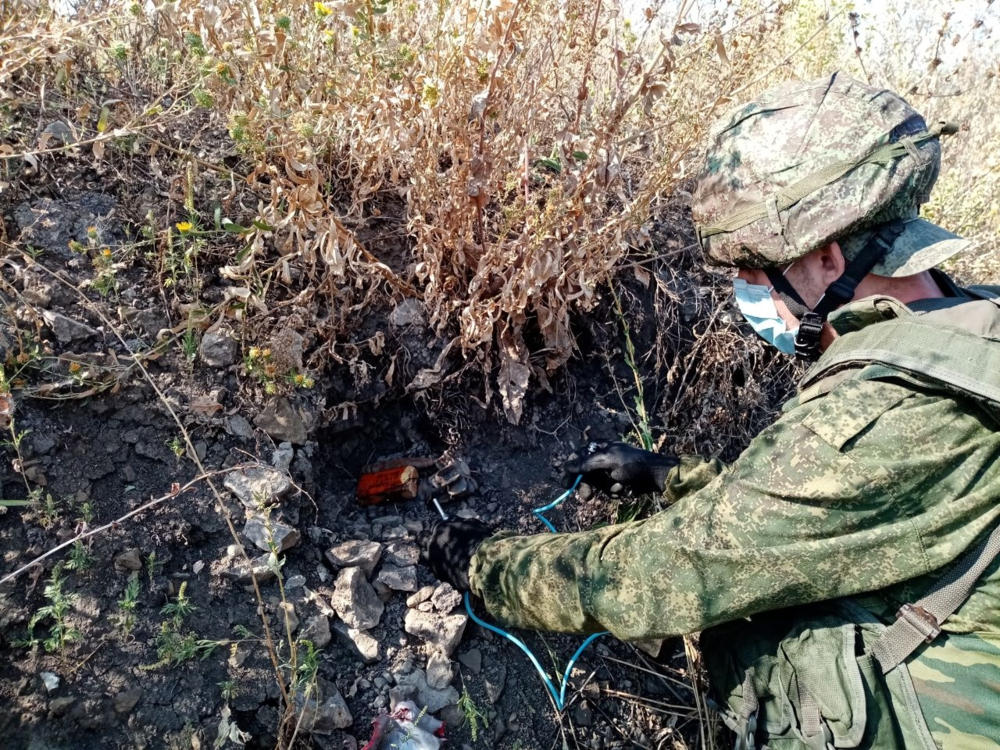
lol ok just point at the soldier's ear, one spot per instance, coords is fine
(831, 263)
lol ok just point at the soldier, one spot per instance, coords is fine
(843, 569)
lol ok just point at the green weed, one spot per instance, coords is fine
(55, 612)
(80, 558)
(472, 713)
(125, 619)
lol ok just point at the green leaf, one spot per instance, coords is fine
(231, 226)
(552, 165)
(263, 226)
(580, 155)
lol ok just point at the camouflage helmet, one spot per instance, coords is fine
(811, 162)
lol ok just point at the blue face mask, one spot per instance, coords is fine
(757, 306)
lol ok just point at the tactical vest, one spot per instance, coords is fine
(828, 675)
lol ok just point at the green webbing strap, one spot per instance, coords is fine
(789, 196)
(967, 363)
(949, 355)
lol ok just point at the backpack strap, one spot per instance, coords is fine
(932, 352)
(961, 361)
(920, 623)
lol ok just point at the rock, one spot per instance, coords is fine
(283, 422)
(50, 680)
(651, 647)
(583, 714)
(283, 536)
(355, 601)
(395, 532)
(129, 560)
(364, 646)
(295, 582)
(402, 554)
(66, 329)
(409, 312)
(360, 553)
(442, 631)
(452, 716)
(257, 485)
(238, 426)
(51, 224)
(259, 566)
(472, 659)
(219, 348)
(420, 597)
(288, 347)
(439, 670)
(445, 598)
(59, 706)
(434, 699)
(125, 701)
(282, 457)
(286, 612)
(496, 679)
(325, 712)
(398, 579)
(317, 631)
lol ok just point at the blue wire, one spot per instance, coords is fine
(560, 697)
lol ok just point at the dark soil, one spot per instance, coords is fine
(101, 442)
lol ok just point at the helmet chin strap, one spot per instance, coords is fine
(841, 291)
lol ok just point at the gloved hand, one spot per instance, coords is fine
(448, 547)
(619, 469)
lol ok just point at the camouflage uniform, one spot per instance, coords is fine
(850, 505)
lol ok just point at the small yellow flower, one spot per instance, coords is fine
(184, 226)
(322, 10)
(265, 353)
(74, 367)
(254, 352)
(23, 358)
(92, 232)
(106, 252)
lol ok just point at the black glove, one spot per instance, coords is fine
(447, 549)
(619, 469)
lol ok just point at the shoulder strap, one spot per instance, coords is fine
(921, 622)
(934, 352)
(962, 361)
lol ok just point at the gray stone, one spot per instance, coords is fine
(398, 579)
(283, 422)
(66, 329)
(360, 553)
(259, 566)
(238, 426)
(409, 312)
(317, 631)
(445, 598)
(441, 631)
(496, 678)
(59, 706)
(257, 485)
(420, 597)
(472, 660)
(364, 646)
(439, 670)
(219, 348)
(402, 554)
(295, 582)
(324, 712)
(282, 457)
(125, 701)
(395, 532)
(431, 698)
(355, 601)
(129, 560)
(51, 224)
(284, 536)
(583, 714)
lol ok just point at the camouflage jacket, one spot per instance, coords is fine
(865, 489)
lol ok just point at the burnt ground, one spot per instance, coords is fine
(92, 440)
